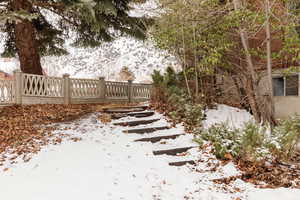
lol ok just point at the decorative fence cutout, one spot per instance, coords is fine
(84, 88)
(6, 91)
(141, 90)
(43, 86)
(116, 90)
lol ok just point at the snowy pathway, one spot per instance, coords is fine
(107, 165)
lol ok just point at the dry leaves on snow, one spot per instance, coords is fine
(23, 130)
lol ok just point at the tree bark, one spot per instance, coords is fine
(184, 65)
(269, 63)
(251, 88)
(196, 67)
(25, 38)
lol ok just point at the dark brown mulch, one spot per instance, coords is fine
(274, 175)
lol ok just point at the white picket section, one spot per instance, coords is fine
(82, 88)
(116, 90)
(141, 90)
(42, 86)
(7, 91)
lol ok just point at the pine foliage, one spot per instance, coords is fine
(91, 21)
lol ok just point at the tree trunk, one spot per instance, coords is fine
(269, 64)
(196, 67)
(184, 65)
(251, 89)
(252, 98)
(25, 38)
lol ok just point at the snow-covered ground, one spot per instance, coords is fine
(106, 164)
(234, 117)
(141, 57)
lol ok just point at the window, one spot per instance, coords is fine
(286, 86)
(278, 86)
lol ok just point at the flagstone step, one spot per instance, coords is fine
(181, 163)
(136, 123)
(141, 114)
(135, 114)
(146, 130)
(172, 152)
(158, 138)
(125, 109)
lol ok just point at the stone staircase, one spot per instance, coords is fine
(142, 114)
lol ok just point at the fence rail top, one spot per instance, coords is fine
(56, 77)
(143, 84)
(85, 79)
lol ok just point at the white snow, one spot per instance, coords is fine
(234, 117)
(107, 164)
(279, 194)
(230, 170)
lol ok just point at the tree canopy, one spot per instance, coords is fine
(39, 27)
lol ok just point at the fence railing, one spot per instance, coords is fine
(142, 91)
(116, 90)
(7, 92)
(37, 89)
(84, 88)
(42, 86)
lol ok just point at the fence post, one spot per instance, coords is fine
(101, 87)
(18, 86)
(67, 89)
(129, 91)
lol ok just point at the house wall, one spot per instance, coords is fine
(285, 106)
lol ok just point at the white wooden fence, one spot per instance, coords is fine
(36, 89)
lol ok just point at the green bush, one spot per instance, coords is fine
(285, 138)
(248, 143)
(253, 142)
(223, 139)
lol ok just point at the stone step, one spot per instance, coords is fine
(136, 123)
(143, 114)
(181, 163)
(146, 130)
(158, 138)
(135, 114)
(172, 152)
(125, 109)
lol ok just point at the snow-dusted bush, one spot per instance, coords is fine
(248, 143)
(224, 140)
(253, 142)
(286, 137)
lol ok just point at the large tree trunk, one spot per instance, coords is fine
(26, 43)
